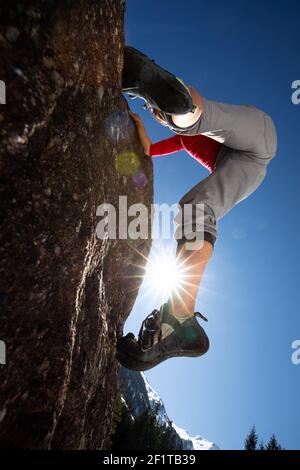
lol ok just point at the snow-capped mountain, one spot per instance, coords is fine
(140, 396)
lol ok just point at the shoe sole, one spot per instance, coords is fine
(133, 364)
(160, 79)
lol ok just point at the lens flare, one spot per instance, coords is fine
(139, 179)
(163, 274)
(127, 163)
(118, 125)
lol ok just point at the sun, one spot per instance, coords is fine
(163, 274)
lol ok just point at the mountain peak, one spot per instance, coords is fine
(140, 396)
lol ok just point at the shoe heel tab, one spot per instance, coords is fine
(200, 315)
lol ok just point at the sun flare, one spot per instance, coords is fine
(163, 274)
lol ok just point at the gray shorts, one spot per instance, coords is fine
(249, 144)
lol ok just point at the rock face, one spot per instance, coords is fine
(139, 396)
(67, 146)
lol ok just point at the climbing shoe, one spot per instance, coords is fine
(160, 89)
(161, 337)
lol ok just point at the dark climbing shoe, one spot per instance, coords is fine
(188, 339)
(162, 90)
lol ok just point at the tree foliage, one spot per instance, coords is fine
(252, 440)
(141, 433)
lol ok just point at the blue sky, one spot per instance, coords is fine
(243, 53)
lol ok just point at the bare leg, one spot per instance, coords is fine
(193, 262)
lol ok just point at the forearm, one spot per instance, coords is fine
(144, 138)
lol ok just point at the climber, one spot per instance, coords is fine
(236, 144)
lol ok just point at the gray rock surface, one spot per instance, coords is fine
(67, 144)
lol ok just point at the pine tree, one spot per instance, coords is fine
(273, 444)
(142, 433)
(251, 439)
(261, 445)
(122, 426)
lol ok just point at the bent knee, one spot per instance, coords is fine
(270, 135)
(265, 141)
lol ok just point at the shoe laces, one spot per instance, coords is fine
(150, 328)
